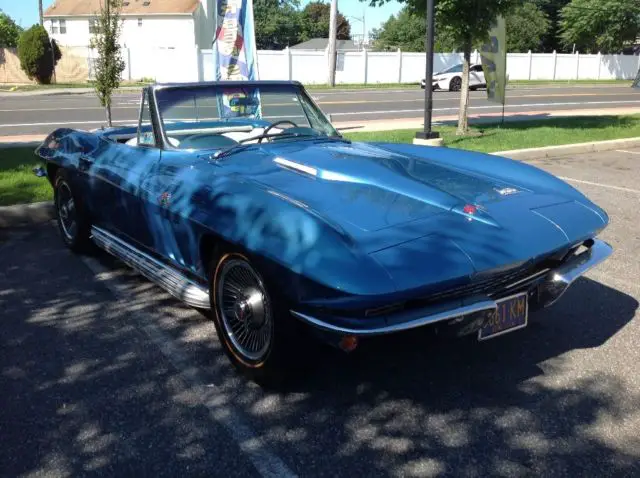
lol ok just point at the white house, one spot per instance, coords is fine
(171, 24)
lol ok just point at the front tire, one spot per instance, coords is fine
(455, 84)
(73, 221)
(256, 331)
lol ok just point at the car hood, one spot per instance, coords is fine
(389, 202)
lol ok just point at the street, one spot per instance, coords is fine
(102, 373)
(28, 115)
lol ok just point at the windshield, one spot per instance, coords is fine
(453, 69)
(221, 116)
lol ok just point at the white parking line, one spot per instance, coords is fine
(625, 151)
(608, 186)
(253, 446)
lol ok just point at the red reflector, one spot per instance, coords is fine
(469, 209)
(348, 343)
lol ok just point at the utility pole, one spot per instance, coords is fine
(427, 134)
(333, 31)
(40, 13)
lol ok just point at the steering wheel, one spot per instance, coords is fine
(273, 125)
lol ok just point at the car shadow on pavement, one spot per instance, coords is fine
(86, 392)
(509, 406)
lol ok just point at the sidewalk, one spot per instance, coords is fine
(417, 123)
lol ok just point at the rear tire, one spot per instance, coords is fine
(72, 218)
(254, 326)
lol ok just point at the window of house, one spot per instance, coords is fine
(55, 28)
(63, 26)
(93, 26)
(139, 22)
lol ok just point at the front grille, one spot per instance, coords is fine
(494, 285)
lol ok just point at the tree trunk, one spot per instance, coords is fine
(463, 121)
(40, 12)
(108, 111)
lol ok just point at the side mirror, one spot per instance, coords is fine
(40, 172)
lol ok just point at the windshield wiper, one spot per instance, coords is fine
(241, 146)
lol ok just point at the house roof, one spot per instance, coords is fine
(322, 43)
(70, 8)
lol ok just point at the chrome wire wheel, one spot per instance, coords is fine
(245, 309)
(67, 211)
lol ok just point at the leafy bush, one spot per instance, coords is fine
(9, 31)
(38, 55)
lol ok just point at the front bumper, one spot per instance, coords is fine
(543, 290)
(434, 84)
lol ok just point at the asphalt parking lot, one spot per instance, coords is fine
(102, 373)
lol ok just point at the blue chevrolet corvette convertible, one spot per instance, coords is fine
(242, 198)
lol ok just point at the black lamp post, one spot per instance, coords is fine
(428, 86)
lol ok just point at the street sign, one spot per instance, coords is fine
(494, 61)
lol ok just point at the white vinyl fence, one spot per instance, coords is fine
(192, 64)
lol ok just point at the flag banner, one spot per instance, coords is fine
(235, 57)
(494, 61)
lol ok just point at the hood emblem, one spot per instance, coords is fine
(469, 209)
(506, 191)
(164, 199)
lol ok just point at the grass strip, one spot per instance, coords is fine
(521, 134)
(18, 184)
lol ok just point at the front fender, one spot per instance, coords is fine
(301, 250)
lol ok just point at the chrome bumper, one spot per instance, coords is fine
(561, 278)
(556, 283)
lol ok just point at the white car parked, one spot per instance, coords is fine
(451, 78)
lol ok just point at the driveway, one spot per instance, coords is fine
(103, 373)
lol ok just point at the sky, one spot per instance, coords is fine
(374, 16)
(25, 12)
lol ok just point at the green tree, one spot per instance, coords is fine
(109, 64)
(467, 23)
(407, 30)
(38, 54)
(277, 23)
(551, 40)
(315, 22)
(527, 24)
(600, 25)
(9, 31)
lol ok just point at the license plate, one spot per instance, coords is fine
(511, 314)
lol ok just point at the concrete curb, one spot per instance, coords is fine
(26, 214)
(565, 149)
